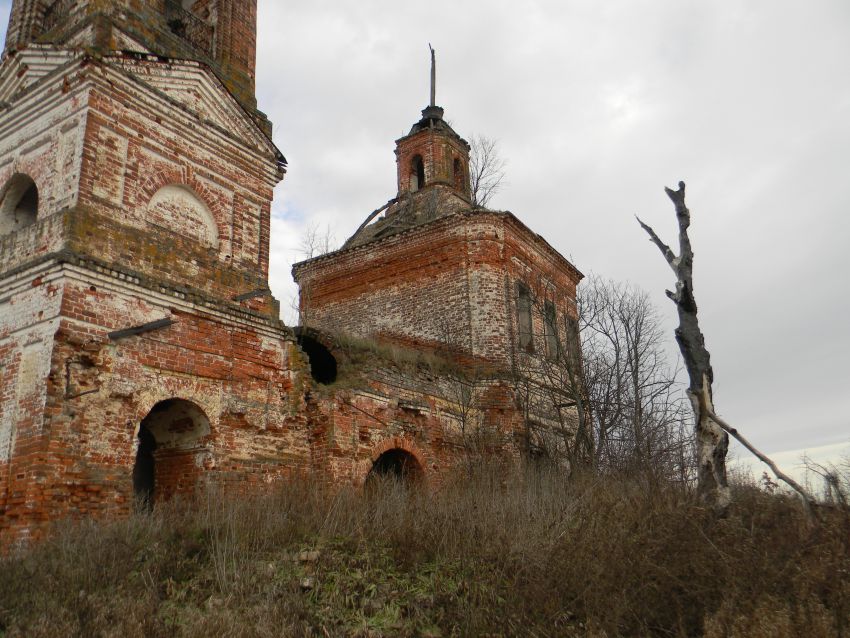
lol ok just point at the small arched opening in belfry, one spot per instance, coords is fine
(18, 204)
(323, 366)
(417, 173)
(170, 453)
(459, 175)
(396, 465)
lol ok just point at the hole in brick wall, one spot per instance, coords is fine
(18, 204)
(323, 367)
(395, 464)
(170, 442)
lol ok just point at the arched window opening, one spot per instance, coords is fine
(322, 363)
(18, 204)
(417, 173)
(395, 465)
(170, 444)
(459, 175)
(550, 330)
(523, 305)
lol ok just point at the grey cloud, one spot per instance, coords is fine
(597, 106)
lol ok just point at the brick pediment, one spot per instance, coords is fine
(195, 88)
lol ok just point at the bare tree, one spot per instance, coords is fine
(548, 383)
(486, 170)
(317, 241)
(712, 432)
(635, 400)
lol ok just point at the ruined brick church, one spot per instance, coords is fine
(141, 351)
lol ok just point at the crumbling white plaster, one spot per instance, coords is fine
(176, 207)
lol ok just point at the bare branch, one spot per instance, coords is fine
(655, 239)
(635, 402)
(712, 440)
(807, 498)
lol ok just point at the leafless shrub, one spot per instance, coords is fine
(486, 170)
(834, 478)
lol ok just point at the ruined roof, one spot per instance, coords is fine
(409, 211)
(432, 119)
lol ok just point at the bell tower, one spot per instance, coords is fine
(136, 179)
(432, 154)
(221, 33)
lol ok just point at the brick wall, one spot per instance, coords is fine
(25, 21)
(399, 399)
(439, 151)
(452, 280)
(148, 144)
(236, 41)
(97, 142)
(154, 203)
(95, 391)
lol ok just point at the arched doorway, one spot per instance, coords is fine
(395, 465)
(171, 444)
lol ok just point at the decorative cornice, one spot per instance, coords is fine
(131, 277)
(407, 234)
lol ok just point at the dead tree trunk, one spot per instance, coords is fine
(712, 439)
(712, 432)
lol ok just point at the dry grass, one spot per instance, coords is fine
(534, 556)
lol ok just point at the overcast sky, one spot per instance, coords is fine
(597, 105)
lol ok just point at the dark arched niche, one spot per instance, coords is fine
(18, 204)
(396, 464)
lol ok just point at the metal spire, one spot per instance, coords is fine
(433, 76)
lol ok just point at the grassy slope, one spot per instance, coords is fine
(532, 556)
